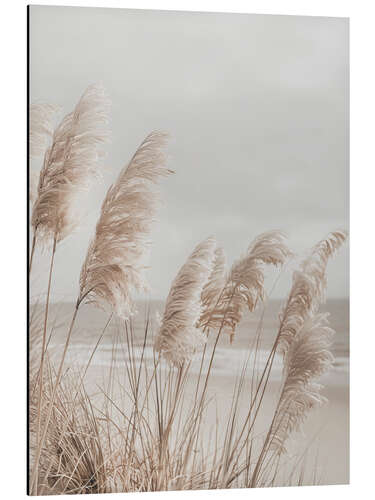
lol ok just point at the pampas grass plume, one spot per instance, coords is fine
(212, 289)
(244, 286)
(179, 337)
(307, 359)
(40, 127)
(304, 339)
(308, 286)
(70, 164)
(115, 262)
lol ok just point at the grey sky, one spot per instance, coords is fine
(258, 112)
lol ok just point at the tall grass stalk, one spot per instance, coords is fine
(43, 348)
(33, 244)
(34, 477)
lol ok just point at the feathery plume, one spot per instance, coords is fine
(316, 264)
(69, 164)
(304, 339)
(245, 281)
(301, 301)
(307, 359)
(33, 185)
(307, 292)
(40, 127)
(115, 261)
(179, 338)
(213, 288)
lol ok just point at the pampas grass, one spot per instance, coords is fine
(147, 435)
(315, 265)
(72, 461)
(307, 359)
(115, 255)
(41, 116)
(212, 289)
(303, 339)
(70, 164)
(146, 428)
(115, 262)
(308, 287)
(244, 287)
(33, 185)
(115, 445)
(179, 338)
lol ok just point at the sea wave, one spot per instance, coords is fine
(228, 361)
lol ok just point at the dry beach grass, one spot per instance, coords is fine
(153, 427)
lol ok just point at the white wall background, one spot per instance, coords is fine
(13, 248)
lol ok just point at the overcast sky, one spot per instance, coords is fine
(258, 112)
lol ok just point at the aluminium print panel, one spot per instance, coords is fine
(188, 320)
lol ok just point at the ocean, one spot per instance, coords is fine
(229, 358)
